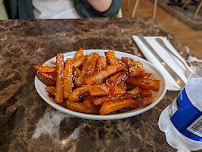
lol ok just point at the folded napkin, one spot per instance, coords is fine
(171, 60)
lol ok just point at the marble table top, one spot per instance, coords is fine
(27, 123)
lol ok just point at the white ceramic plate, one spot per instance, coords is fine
(157, 96)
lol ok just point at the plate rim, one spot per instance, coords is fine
(101, 117)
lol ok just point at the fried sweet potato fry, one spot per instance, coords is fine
(93, 90)
(51, 90)
(118, 59)
(111, 58)
(128, 61)
(99, 101)
(45, 68)
(76, 72)
(107, 88)
(130, 87)
(82, 92)
(148, 76)
(79, 61)
(136, 90)
(92, 66)
(54, 63)
(144, 83)
(79, 107)
(134, 105)
(50, 75)
(117, 78)
(128, 96)
(110, 89)
(60, 78)
(135, 67)
(111, 106)
(146, 93)
(144, 74)
(101, 63)
(122, 86)
(80, 80)
(104, 73)
(88, 103)
(79, 53)
(96, 78)
(146, 101)
(81, 66)
(48, 78)
(68, 77)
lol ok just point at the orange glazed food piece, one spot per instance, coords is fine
(92, 66)
(48, 78)
(79, 61)
(51, 90)
(122, 86)
(68, 77)
(144, 83)
(93, 90)
(76, 72)
(110, 106)
(135, 67)
(117, 78)
(146, 93)
(101, 100)
(45, 68)
(79, 107)
(146, 101)
(135, 90)
(105, 72)
(111, 58)
(80, 80)
(101, 63)
(60, 78)
(79, 53)
(88, 102)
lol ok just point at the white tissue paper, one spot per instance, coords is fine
(171, 60)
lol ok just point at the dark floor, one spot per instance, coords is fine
(185, 15)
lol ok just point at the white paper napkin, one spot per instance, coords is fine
(171, 60)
